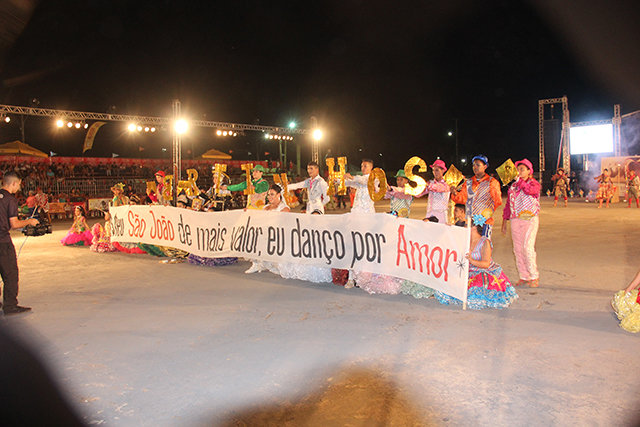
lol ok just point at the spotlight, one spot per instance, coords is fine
(235, 134)
(317, 134)
(131, 127)
(224, 133)
(69, 125)
(292, 125)
(266, 136)
(181, 126)
(139, 128)
(153, 129)
(78, 125)
(219, 132)
(86, 126)
(146, 129)
(7, 119)
(59, 123)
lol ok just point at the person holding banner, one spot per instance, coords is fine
(362, 202)
(316, 189)
(488, 286)
(522, 209)
(160, 187)
(260, 185)
(438, 191)
(481, 193)
(400, 202)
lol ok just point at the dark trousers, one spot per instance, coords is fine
(9, 273)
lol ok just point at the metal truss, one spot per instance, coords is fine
(566, 158)
(157, 121)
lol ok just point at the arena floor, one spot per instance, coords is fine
(135, 342)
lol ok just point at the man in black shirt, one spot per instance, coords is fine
(8, 260)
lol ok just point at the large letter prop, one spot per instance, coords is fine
(337, 176)
(247, 168)
(377, 194)
(283, 182)
(219, 172)
(408, 171)
(423, 252)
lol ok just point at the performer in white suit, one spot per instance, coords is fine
(316, 189)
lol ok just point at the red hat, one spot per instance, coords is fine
(440, 164)
(525, 162)
(161, 173)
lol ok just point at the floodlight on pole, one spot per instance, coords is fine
(317, 134)
(181, 126)
(292, 125)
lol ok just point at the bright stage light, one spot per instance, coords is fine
(69, 125)
(591, 139)
(59, 123)
(153, 129)
(450, 133)
(7, 119)
(317, 134)
(146, 129)
(139, 128)
(224, 133)
(235, 134)
(78, 125)
(86, 125)
(266, 136)
(219, 132)
(181, 126)
(292, 125)
(131, 127)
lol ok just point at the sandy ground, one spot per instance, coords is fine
(136, 342)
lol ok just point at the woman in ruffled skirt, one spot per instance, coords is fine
(488, 286)
(79, 234)
(102, 236)
(626, 304)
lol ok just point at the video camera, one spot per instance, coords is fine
(43, 227)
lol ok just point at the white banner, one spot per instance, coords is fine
(98, 204)
(428, 253)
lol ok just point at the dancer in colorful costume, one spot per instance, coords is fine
(488, 286)
(102, 236)
(605, 188)
(438, 191)
(316, 189)
(400, 202)
(626, 304)
(633, 188)
(260, 185)
(560, 186)
(79, 234)
(481, 193)
(522, 209)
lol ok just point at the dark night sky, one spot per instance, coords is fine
(387, 78)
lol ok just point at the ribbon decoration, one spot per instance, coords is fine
(453, 177)
(283, 182)
(378, 174)
(218, 172)
(247, 168)
(507, 172)
(421, 184)
(337, 176)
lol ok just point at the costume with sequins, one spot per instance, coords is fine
(488, 287)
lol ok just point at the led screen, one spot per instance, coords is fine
(591, 139)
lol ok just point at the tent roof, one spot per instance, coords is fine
(20, 149)
(215, 154)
